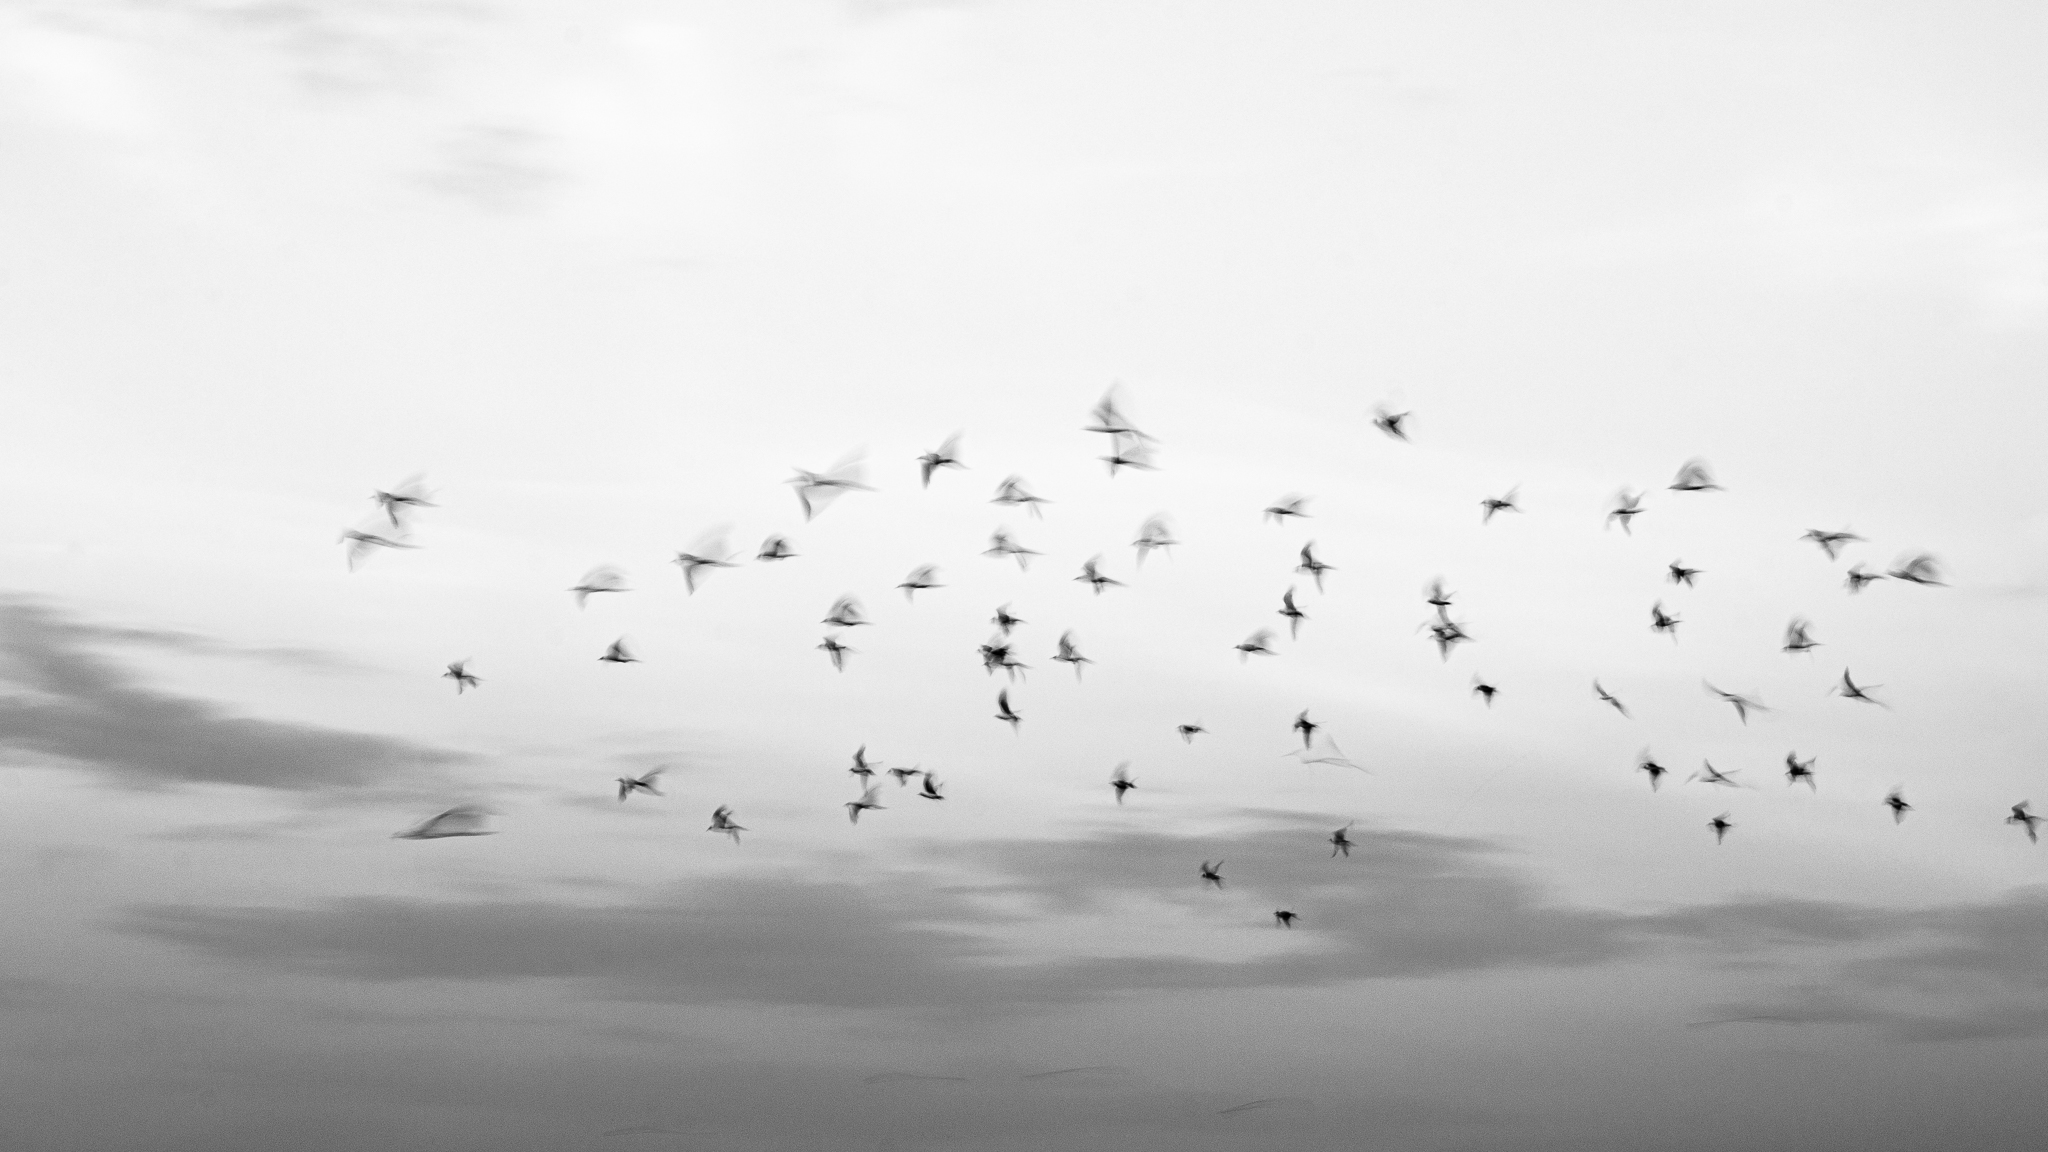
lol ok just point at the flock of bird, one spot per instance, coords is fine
(1130, 447)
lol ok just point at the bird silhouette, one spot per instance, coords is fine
(1720, 824)
(1313, 566)
(1340, 842)
(774, 548)
(1850, 690)
(1000, 545)
(710, 553)
(1608, 698)
(1627, 506)
(903, 775)
(1068, 654)
(1447, 635)
(1502, 503)
(1439, 598)
(836, 652)
(402, 499)
(1110, 421)
(814, 490)
(617, 653)
(1797, 770)
(603, 578)
(462, 820)
(1921, 568)
(861, 768)
(1656, 771)
(643, 783)
(868, 802)
(1662, 621)
(459, 672)
(1212, 874)
(1154, 533)
(361, 544)
(1094, 578)
(931, 788)
(1831, 542)
(1711, 775)
(1127, 451)
(1004, 712)
(1306, 727)
(1188, 732)
(922, 577)
(2021, 816)
(947, 455)
(1286, 506)
(1255, 644)
(1680, 574)
(1857, 578)
(721, 821)
(1798, 636)
(1294, 615)
(846, 613)
(1483, 690)
(1283, 917)
(1012, 492)
(1002, 619)
(1323, 751)
(1392, 423)
(1743, 705)
(1121, 780)
(1693, 476)
(1896, 801)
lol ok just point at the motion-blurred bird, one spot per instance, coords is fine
(846, 613)
(1627, 506)
(1797, 770)
(1188, 732)
(1720, 824)
(721, 821)
(1212, 873)
(1121, 780)
(947, 455)
(459, 672)
(617, 653)
(1313, 566)
(921, 578)
(1741, 704)
(836, 652)
(1111, 421)
(1711, 775)
(1656, 771)
(774, 548)
(814, 490)
(1608, 698)
(644, 783)
(1004, 712)
(710, 553)
(1896, 801)
(1391, 422)
(603, 578)
(931, 788)
(1283, 917)
(1002, 619)
(463, 820)
(1852, 691)
(1286, 506)
(403, 499)
(1068, 654)
(1798, 636)
(1857, 578)
(1483, 690)
(1325, 752)
(1094, 578)
(1340, 842)
(1001, 546)
(1127, 451)
(1154, 533)
(1305, 726)
(1448, 635)
(1256, 643)
(1662, 621)
(361, 544)
(1294, 615)
(868, 802)
(1501, 503)
(1680, 574)
(2021, 816)
(1921, 568)
(1012, 492)
(1693, 476)
(1439, 598)
(1831, 542)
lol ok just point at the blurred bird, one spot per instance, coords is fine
(1831, 542)
(1188, 732)
(1608, 698)
(1094, 579)
(1255, 643)
(361, 544)
(861, 768)
(1447, 635)
(1660, 621)
(1212, 873)
(1501, 503)
(1068, 654)
(1340, 842)
(1858, 578)
(1390, 422)
(459, 672)
(836, 652)
(1645, 764)
(1012, 491)
(1004, 712)
(721, 821)
(1921, 568)
(931, 788)
(866, 803)
(1305, 726)
(1797, 770)
(1311, 565)
(1283, 917)
(1896, 801)
(814, 490)
(462, 820)
(922, 577)
(603, 578)
(1680, 574)
(1000, 545)
(1850, 690)
(946, 456)
(1712, 775)
(1797, 638)
(1121, 780)
(645, 783)
(617, 653)
(1627, 506)
(1720, 824)
(2020, 815)
(1482, 689)
(1154, 533)
(403, 499)
(774, 548)
(1741, 704)
(1127, 451)
(1002, 619)
(1294, 615)
(903, 775)
(1329, 753)
(1110, 421)
(1693, 476)
(1437, 597)
(846, 613)
(710, 553)
(1286, 506)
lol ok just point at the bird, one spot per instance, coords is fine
(1121, 780)
(1852, 691)
(867, 802)
(1110, 421)
(774, 548)
(1294, 615)
(1095, 579)
(1127, 451)
(1662, 621)
(1285, 919)
(1286, 506)
(836, 652)
(1212, 873)
(402, 498)
(1742, 704)
(903, 775)
(861, 768)
(1712, 775)
(1921, 568)
(1857, 578)
(922, 577)
(1797, 638)
(1693, 476)
(1340, 842)
(459, 672)
(1831, 542)
(1256, 643)
(1501, 503)
(603, 578)
(361, 543)
(1644, 763)
(947, 455)
(814, 490)
(1331, 755)
(1627, 506)
(996, 654)
(1797, 770)
(1313, 566)
(721, 821)
(1000, 545)
(1439, 598)
(1305, 726)
(1483, 690)
(1153, 533)
(1896, 801)
(1607, 697)
(617, 653)
(1068, 654)
(1188, 732)
(1680, 574)
(1004, 711)
(1012, 491)
(931, 788)
(462, 820)
(2021, 816)
(846, 613)
(1390, 422)
(710, 554)
(1447, 635)
(1720, 824)
(644, 783)
(1002, 619)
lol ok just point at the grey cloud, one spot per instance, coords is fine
(69, 703)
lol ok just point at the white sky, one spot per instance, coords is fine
(608, 272)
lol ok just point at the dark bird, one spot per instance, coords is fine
(1608, 698)
(836, 652)
(1294, 615)
(931, 788)
(1000, 546)
(644, 783)
(1127, 451)
(1797, 770)
(2021, 816)
(710, 553)
(1720, 824)
(1680, 574)
(1284, 507)
(1502, 503)
(1012, 491)
(721, 821)
(603, 578)
(1311, 565)
(464, 820)
(403, 499)
(1255, 643)
(1712, 775)
(1483, 690)
(774, 548)
(1094, 579)
(866, 803)
(1154, 533)
(1068, 654)
(1644, 763)
(1661, 621)
(1390, 422)
(1797, 637)
(995, 654)
(1002, 619)
(846, 613)
(1852, 691)
(1447, 635)
(1306, 727)
(618, 654)
(361, 544)
(922, 577)
(1831, 542)
(1741, 704)
(1896, 801)
(1212, 873)
(861, 768)
(1285, 919)
(1188, 732)
(1340, 842)
(1121, 780)
(459, 672)
(1110, 421)
(814, 490)
(1858, 578)
(947, 455)
(1627, 506)
(903, 775)
(1437, 597)
(1694, 477)
(1004, 711)
(1921, 568)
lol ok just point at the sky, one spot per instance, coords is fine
(607, 275)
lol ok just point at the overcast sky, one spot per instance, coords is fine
(608, 273)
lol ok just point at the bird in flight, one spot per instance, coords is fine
(1068, 654)
(1720, 824)
(1188, 732)
(721, 821)
(861, 768)
(1127, 451)
(1483, 690)
(1896, 801)
(1712, 775)
(1437, 597)
(996, 654)
(846, 613)
(903, 775)
(1012, 491)
(1608, 698)
(1447, 635)
(1256, 643)
(1095, 579)
(1693, 476)
(1004, 712)
(1644, 763)
(1331, 755)
(603, 578)
(1741, 704)
(1121, 780)
(836, 652)
(922, 577)
(1212, 873)
(360, 545)
(1002, 619)
(931, 788)
(1857, 578)
(1797, 637)
(1284, 507)
(1154, 533)
(1283, 917)
(1831, 542)
(814, 490)
(710, 553)
(1340, 843)
(645, 783)
(1390, 422)
(1661, 621)
(402, 499)
(1797, 770)
(463, 820)
(1311, 565)
(1110, 421)
(2021, 816)
(1294, 615)
(1921, 568)
(1627, 506)
(947, 455)
(1502, 503)
(867, 802)
(1306, 727)
(459, 672)
(1680, 574)
(1000, 545)
(1852, 691)
(774, 548)
(617, 653)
